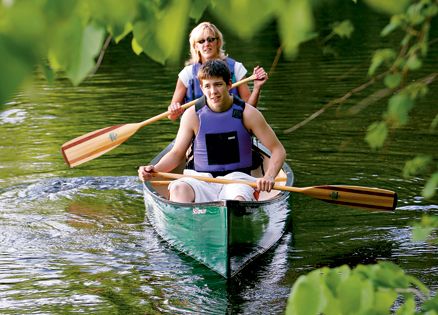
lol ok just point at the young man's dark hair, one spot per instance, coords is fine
(214, 68)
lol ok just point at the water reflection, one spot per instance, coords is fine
(78, 240)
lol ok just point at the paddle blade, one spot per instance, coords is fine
(354, 196)
(96, 143)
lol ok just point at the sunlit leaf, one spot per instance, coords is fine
(417, 165)
(396, 22)
(408, 308)
(356, 295)
(434, 123)
(171, 30)
(421, 233)
(88, 48)
(376, 134)
(381, 56)
(399, 106)
(430, 188)
(136, 47)
(413, 63)
(113, 13)
(343, 29)
(383, 301)
(161, 32)
(197, 8)
(244, 17)
(306, 297)
(15, 64)
(393, 80)
(431, 306)
(126, 31)
(388, 6)
(296, 25)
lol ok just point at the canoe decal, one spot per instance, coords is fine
(199, 211)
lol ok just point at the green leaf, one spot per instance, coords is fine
(388, 6)
(383, 301)
(90, 43)
(197, 8)
(393, 80)
(115, 14)
(398, 109)
(171, 32)
(413, 63)
(396, 22)
(408, 308)
(356, 295)
(306, 297)
(417, 165)
(296, 25)
(421, 233)
(161, 31)
(380, 56)
(136, 47)
(376, 134)
(431, 305)
(434, 123)
(144, 34)
(343, 29)
(244, 17)
(430, 188)
(16, 65)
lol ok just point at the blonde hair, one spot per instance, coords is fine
(197, 33)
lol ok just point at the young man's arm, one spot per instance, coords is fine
(256, 123)
(178, 153)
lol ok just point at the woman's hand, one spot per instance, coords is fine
(175, 111)
(261, 76)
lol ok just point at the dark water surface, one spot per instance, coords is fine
(77, 240)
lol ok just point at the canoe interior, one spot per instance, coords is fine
(159, 185)
(227, 235)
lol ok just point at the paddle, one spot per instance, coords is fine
(167, 182)
(353, 196)
(92, 145)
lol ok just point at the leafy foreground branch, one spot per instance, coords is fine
(372, 289)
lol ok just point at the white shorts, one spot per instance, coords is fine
(205, 192)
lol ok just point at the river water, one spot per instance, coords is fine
(77, 240)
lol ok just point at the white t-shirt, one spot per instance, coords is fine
(187, 73)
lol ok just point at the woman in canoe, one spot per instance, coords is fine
(206, 43)
(221, 127)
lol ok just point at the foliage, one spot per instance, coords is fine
(66, 36)
(425, 229)
(414, 23)
(372, 289)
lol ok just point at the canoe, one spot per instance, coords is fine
(225, 235)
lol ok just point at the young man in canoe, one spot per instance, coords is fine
(220, 127)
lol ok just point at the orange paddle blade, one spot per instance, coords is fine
(96, 143)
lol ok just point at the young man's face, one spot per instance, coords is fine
(216, 91)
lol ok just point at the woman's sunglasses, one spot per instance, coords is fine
(208, 39)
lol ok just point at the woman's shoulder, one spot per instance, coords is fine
(186, 74)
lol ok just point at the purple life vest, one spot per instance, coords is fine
(194, 89)
(223, 144)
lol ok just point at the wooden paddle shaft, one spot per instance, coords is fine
(191, 103)
(354, 196)
(93, 144)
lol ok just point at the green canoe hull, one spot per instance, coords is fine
(224, 235)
